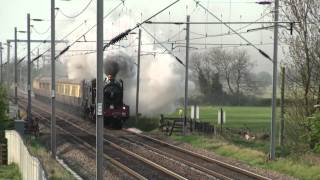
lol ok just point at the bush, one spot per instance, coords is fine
(4, 106)
(144, 123)
(296, 130)
(10, 172)
(315, 133)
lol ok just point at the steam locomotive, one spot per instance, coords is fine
(80, 96)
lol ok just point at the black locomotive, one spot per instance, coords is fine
(81, 96)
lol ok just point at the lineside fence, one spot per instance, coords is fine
(30, 167)
(170, 125)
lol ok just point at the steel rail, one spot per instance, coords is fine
(203, 169)
(154, 165)
(84, 143)
(226, 165)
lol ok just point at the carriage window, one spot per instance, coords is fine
(67, 89)
(58, 88)
(73, 90)
(62, 89)
(78, 91)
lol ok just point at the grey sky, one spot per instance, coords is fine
(14, 13)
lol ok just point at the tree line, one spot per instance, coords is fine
(227, 77)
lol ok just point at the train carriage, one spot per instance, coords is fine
(79, 96)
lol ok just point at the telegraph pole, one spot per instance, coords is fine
(99, 95)
(53, 84)
(43, 61)
(186, 75)
(29, 71)
(0, 62)
(38, 60)
(8, 62)
(15, 68)
(274, 82)
(282, 107)
(138, 77)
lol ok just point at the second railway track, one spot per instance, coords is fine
(121, 140)
(139, 167)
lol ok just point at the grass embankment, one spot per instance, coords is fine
(10, 172)
(253, 153)
(297, 166)
(52, 167)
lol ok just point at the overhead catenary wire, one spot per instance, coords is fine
(61, 39)
(64, 50)
(263, 16)
(205, 36)
(67, 48)
(214, 35)
(206, 25)
(132, 45)
(46, 31)
(228, 26)
(162, 45)
(77, 14)
(40, 43)
(74, 42)
(41, 33)
(125, 33)
(90, 51)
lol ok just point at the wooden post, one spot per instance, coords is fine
(282, 107)
(221, 120)
(318, 100)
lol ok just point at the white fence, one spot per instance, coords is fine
(30, 167)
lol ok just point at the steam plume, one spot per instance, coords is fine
(161, 77)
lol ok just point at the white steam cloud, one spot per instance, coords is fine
(161, 77)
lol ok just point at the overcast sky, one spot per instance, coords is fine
(13, 13)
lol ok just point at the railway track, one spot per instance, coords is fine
(193, 159)
(72, 138)
(121, 140)
(131, 163)
(197, 161)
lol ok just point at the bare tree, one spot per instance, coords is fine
(304, 47)
(206, 77)
(234, 68)
(222, 61)
(303, 69)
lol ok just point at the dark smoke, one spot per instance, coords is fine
(111, 68)
(119, 64)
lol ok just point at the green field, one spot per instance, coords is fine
(254, 118)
